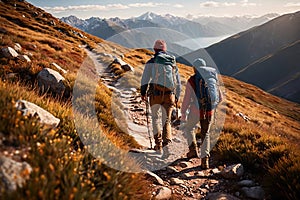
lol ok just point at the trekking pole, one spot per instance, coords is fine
(148, 123)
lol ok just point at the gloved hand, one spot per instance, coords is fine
(144, 98)
(183, 117)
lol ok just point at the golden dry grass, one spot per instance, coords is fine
(267, 145)
(269, 142)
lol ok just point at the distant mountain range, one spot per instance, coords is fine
(266, 56)
(264, 50)
(195, 27)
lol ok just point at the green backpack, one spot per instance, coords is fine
(164, 73)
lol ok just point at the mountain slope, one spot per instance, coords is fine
(64, 168)
(255, 43)
(60, 166)
(252, 49)
(234, 24)
(277, 73)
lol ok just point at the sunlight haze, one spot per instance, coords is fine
(133, 8)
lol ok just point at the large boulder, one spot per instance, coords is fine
(163, 193)
(254, 192)
(51, 80)
(9, 52)
(233, 171)
(125, 66)
(13, 174)
(28, 108)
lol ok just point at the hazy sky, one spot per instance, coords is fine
(132, 8)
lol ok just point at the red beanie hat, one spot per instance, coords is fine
(160, 45)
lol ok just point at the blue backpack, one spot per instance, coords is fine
(164, 73)
(206, 88)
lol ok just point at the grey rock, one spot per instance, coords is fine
(216, 171)
(49, 79)
(3, 30)
(45, 117)
(17, 47)
(184, 164)
(199, 173)
(247, 183)
(253, 192)
(13, 174)
(125, 66)
(220, 196)
(163, 193)
(171, 170)
(24, 58)
(233, 171)
(176, 181)
(155, 178)
(59, 68)
(9, 52)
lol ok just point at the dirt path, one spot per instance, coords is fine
(182, 178)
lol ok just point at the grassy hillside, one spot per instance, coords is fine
(265, 56)
(268, 144)
(62, 166)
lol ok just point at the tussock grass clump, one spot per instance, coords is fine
(62, 168)
(273, 161)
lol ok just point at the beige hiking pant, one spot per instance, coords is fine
(164, 104)
(204, 135)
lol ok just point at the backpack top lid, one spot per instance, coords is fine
(203, 71)
(165, 59)
(199, 62)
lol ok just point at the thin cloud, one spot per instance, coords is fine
(86, 8)
(214, 4)
(246, 3)
(101, 7)
(149, 4)
(178, 6)
(210, 4)
(292, 4)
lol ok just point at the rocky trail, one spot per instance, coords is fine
(175, 177)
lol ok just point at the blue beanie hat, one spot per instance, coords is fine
(199, 62)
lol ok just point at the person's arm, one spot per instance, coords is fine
(147, 74)
(178, 84)
(186, 100)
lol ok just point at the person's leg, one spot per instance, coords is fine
(205, 147)
(167, 108)
(155, 106)
(190, 135)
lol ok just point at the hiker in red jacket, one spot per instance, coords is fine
(201, 100)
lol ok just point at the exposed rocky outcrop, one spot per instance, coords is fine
(51, 80)
(59, 68)
(233, 171)
(125, 66)
(9, 52)
(13, 174)
(45, 117)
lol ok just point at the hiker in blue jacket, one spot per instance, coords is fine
(161, 82)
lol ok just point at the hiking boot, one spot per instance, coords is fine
(158, 149)
(205, 162)
(193, 153)
(166, 152)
